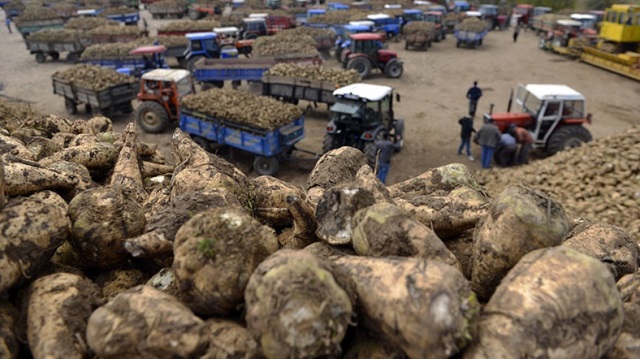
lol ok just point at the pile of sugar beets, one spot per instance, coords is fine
(107, 251)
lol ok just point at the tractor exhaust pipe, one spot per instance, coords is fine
(491, 109)
(510, 101)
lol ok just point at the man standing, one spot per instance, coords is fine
(525, 140)
(384, 151)
(488, 137)
(474, 95)
(466, 129)
(516, 32)
(7, 21)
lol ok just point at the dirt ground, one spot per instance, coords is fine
(432, 90)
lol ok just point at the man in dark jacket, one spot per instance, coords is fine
(384, 151)
(474, 95)
(488, 137)
(466, 129)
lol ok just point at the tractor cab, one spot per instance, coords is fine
(435, 17)
(253, 27)
(201, 45)
(367, 52)
(385, 23)
(461, 6)
(227, 36)
(565, 31)
(160, 94)
(411, 15)
(588, 23)
(344, 41)
(555, 115)
(492, 14)
(153, 57)
(362, 114)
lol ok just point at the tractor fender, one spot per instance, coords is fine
(398, 128)
(371, 135)
(386, 55)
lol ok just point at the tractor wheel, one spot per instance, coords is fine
(193, 14)
(70, 106)
(266, 166)
(202, 142)
(328, 143)
(361, 65)
(73, 57)
(480, 42)
(567, 137)
(40, 57)
(338, 55)
(152, 117)
(55, 55)
(393, 69)
(458, 43)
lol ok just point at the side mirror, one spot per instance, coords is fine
(589, 118)
(397, 97)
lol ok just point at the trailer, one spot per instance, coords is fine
(161, 11)
(420, 40)
(469, 38)
(292, 90)
(130, 18)
(269, 146)
(28, 27)
(43, 49)
(213, 72)
(106, 102)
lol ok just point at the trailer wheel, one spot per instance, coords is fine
(266, 166)
(70, 106)
(194, 14)
(73, 57)
(40, 57)
(152, 117)
(202, 142)
(55, 55)
(567, 137)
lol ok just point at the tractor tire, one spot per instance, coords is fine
(55, 55)
(458, 43)
(152, 117)
(40, 57)
(328, 143)
(266, 166)
(567, 137)
(194, 15)
(398, 131)
(361, 65)
(73, 57)
(480, 42)
(202, 142)
(338, 55)
(70, 106)
(393, 69)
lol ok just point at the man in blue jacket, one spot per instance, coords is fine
(474, 95)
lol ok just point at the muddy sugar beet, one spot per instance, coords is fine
(99, 259)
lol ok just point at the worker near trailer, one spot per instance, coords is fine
(488, 137)
(524, 140)
(473, 95)
(466, 129)
(7, 21)
(384, 150)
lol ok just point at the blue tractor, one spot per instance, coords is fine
(391, 26)
(201, 45)
(411, 15)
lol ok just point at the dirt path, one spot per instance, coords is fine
(432, 93)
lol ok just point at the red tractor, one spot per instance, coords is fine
(366, 52)
(159, 96)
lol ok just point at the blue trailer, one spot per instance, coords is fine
(469, 38)
(269, 145)
(135, 64)
(130, 18)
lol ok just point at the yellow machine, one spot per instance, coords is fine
(618, 46)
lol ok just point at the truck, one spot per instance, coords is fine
(269, 146)
(27, 27)
(106, 102)
(42, 49)
(469, 38)
(554, 114)
(617, 44)
(213, 72)
(363, 114)
(292, 90)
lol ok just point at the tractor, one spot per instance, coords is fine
(201, 45)
(366, 52)
(555, 115)
(159, 96)
(363, 114)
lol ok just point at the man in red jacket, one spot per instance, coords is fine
(524, 139)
